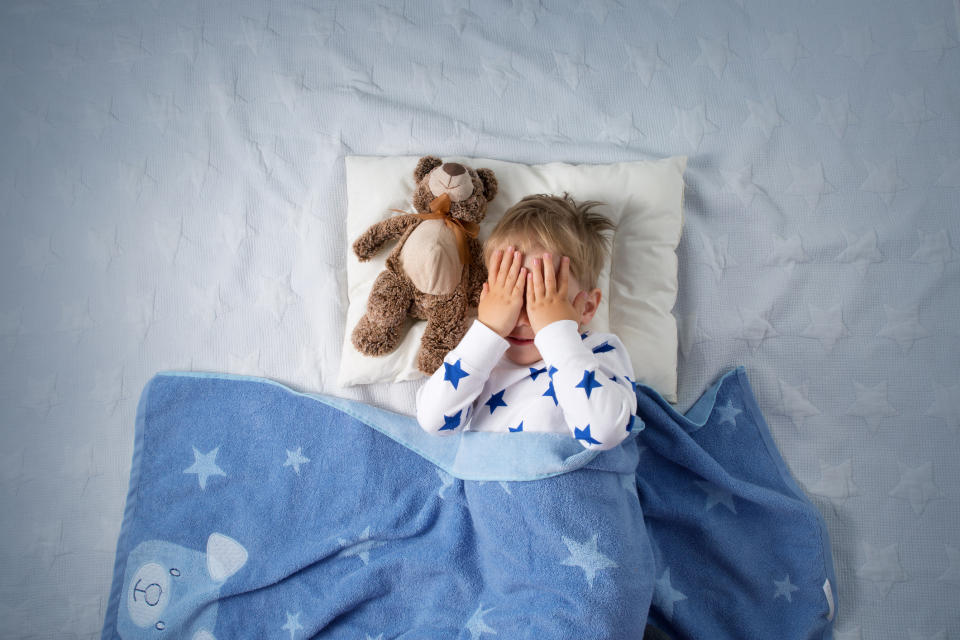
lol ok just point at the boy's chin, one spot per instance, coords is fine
(523, 355)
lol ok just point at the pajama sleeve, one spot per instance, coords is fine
(444, 402)
(592, 386)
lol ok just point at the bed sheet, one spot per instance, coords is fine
(172, 197)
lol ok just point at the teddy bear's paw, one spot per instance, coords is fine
(428, 361)
(372, 339)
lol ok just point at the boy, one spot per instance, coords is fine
(524, 364)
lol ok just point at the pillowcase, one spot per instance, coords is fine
(638, 283)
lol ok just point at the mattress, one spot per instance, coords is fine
(172, 197)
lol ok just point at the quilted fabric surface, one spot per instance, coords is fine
(172, 196)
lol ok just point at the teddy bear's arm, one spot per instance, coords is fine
(478, 273)
(373, 239)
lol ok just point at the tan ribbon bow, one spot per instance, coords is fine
(440, 210)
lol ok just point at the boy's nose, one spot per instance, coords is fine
(522, 319)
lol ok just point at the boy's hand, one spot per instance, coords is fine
(546, 298)
(502, 296)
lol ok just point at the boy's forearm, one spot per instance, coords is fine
(596, 396)
(443, 402)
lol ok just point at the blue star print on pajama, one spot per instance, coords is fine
(496, 400)
(576, 397)
(589, 382)
(451, 422)
(584, 434)
(453, 373)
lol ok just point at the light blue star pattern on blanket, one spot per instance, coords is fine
(295, 459)
(205, 465)
(293, 624)
(587, 556)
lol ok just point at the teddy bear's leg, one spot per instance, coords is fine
(446, 325)
(379, 331)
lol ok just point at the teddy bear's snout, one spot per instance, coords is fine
(451, 179)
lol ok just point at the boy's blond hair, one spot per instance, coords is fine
(561, 226)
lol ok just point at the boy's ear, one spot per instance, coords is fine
(590, 305)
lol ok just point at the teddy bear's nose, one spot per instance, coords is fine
(453, 169)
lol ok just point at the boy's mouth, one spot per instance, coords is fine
(519, 342)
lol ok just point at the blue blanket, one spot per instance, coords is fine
(258, 512)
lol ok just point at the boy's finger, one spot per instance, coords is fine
(515, 267)
(538, 279)
(494, 265)
(505, 261)
(549, 275)
(564, 276)
(484, 291)
(521, 282)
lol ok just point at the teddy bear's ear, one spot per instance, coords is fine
(425, 165)
(489, 181)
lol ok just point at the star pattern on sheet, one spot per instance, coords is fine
(795, 404)
(902, 326)
(935, 38)
(946, 404)
(881, 566)
(809, 182)
(935, 249)
(871, 404)
(787, 252)
(693, 124)
(826, 325)
(716, 254)
(883, 179)
(916, 486)
(836, 114)
(644, 60)
(714, 53)
(764, 115)
(858, 44)
(911, 110)
(740, 182)
(951, 574)
(861, 251)
(836, 482)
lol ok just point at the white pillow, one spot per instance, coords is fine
(639, 283)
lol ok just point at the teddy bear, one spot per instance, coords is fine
(436, 271)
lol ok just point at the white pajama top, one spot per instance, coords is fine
(583, 387)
